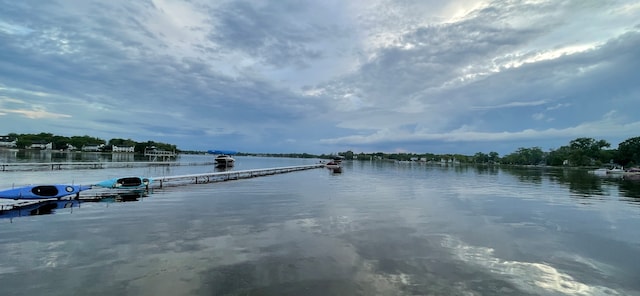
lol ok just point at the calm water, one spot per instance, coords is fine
(376, 229)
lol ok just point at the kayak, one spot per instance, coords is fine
(126, 183)
(42, 191)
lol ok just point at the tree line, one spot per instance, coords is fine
(63, 143)
(579, 152)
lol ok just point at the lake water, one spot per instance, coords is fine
(379, 228)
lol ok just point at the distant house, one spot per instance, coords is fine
(8, 142)
(93, 147)
(44, 145)
(127, 149)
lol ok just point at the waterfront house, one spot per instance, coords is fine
(93, 147)
(8, 142)
(44, 145)
(127, 149)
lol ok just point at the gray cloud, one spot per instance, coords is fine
(321, 77)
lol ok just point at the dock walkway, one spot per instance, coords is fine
(229, 175)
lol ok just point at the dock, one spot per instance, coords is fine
(154, 155)
(40, 206)
(228, 175)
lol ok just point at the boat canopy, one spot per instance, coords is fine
(228, 152)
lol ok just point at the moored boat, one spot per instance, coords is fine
(224, 161)
(43, 191)
(223, 158)
(616, 171)
(332, 165)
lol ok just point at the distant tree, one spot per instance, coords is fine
(586, 151)
(121, 142)
(558, 156)
(348, 155)
(629, 151)
(494, 156)
(480, 157)
(525, 156)
(23, 142)
(80, 141)
(59, 142)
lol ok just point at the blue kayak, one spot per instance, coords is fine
(126, 183)
(42, 191)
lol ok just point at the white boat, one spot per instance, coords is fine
(616, 171)
(224, 160)
(332, 165)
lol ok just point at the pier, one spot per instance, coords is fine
(227, 175)
(154, 155)
(39, 206)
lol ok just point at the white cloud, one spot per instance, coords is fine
(511, 105)
(379, 73)
(538, 116)
(35, 114)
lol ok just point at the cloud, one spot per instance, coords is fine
(195, 73)
(511, 105)
(609, 125)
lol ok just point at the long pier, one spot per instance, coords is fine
(38, 206)
(228, 175)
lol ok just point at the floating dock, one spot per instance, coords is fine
(40, 206)
(227, 175)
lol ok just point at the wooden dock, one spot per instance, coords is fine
(155, 155)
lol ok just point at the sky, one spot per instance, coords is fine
(286, 76)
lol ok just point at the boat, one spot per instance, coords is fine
(223, 158)
(613, 171)
(224, 161)
(616, 171)
(126, 183)
(43, 191)
(332, 165)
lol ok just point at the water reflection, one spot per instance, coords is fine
(631, 189)
(527, 175)
(48, 207)
(487, 169)
(581, 183)
(223, 168)
(22, 155)
(33, 208)
(392, 229)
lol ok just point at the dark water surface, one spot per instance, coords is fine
(376, 229)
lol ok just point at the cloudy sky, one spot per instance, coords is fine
(460, 76)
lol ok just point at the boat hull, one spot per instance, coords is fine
(42, 191)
